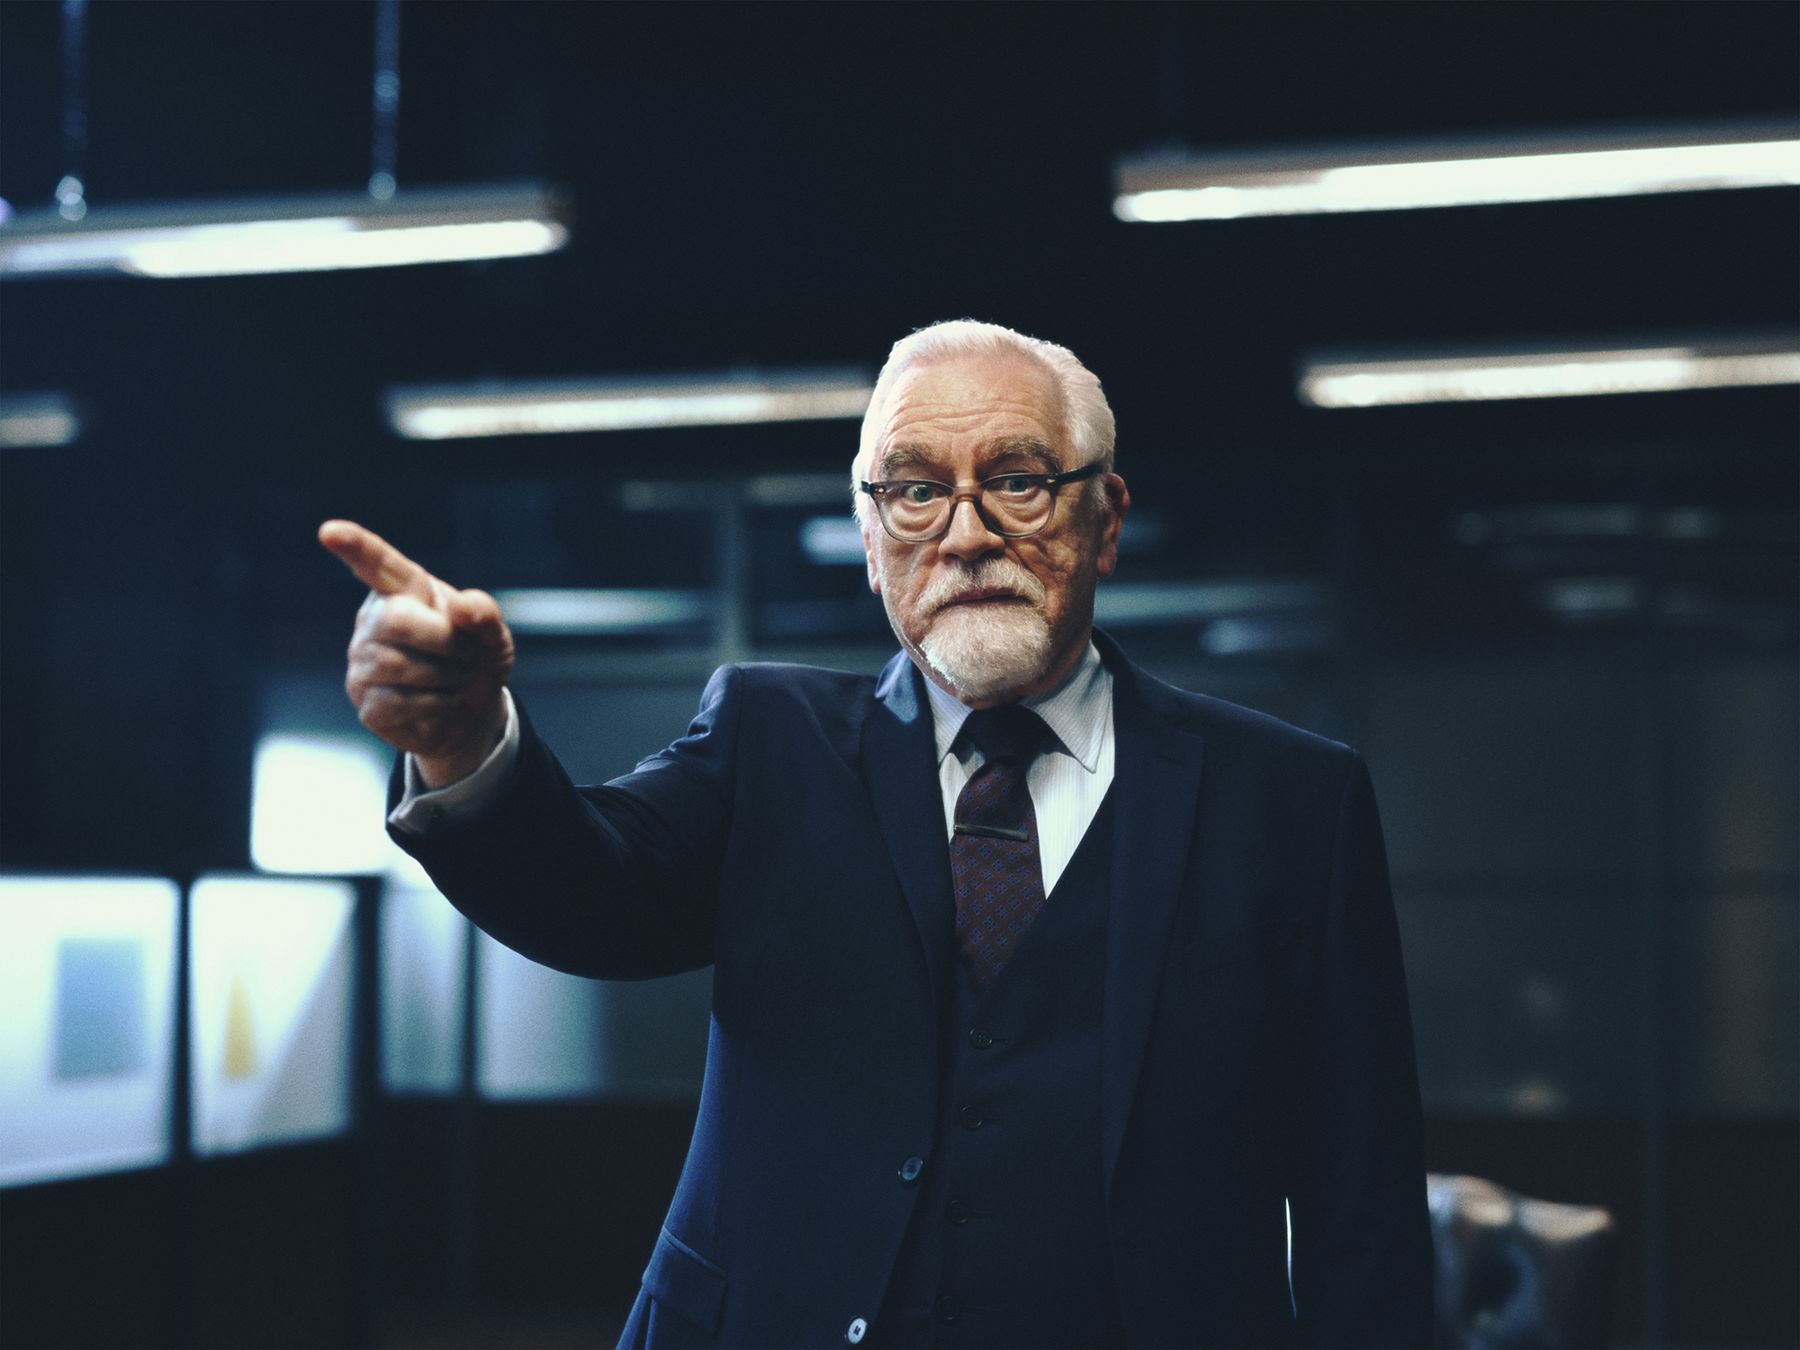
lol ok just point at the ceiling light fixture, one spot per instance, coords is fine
(37, 419)
(833, 541)
(1394, 177)
(243, 236)
(1553, 373)
(286, 234)
(572, 612)
(620, 404)
(1129, 603)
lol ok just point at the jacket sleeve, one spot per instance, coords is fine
(1361, 1255)
(618, 881)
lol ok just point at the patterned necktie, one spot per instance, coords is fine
(994, 850)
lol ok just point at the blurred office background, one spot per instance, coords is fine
(262, 1087)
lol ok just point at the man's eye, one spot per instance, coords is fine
(1014, 484)
(921, 494)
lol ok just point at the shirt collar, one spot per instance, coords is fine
(1076, 711)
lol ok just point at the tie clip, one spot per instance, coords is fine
(992, 832)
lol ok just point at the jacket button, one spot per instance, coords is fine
(970, 1117)
(945, 1308)
(856, 1331)
(979, 1038)
(909, 1171)
(958, 1212)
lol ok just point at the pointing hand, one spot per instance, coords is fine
(427, 662)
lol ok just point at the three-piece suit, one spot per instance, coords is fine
(1224, 979)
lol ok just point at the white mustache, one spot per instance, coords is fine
(989, 574)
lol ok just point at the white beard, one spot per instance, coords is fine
(988, 651)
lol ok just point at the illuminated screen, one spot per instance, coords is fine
(423, 945)
(546, 1034)
(270, 983)
(87, 993)
(540, 1029)
(319, 804)
(318, 799)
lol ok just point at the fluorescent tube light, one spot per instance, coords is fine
(578, 612)
(1266, 634)
(1588, 597)
(797, 489)
(620, 404)
(1616, 520)
(1174, 186)
(1346, 383)
(1141, 602)
(291, 234)
(832, 541)
(37, 419)
(1599, 599)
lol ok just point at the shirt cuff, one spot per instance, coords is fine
(422, 810)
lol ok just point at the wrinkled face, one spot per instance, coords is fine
(987, 618)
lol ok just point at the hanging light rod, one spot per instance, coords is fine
(238, 237)
(526, 408)
(1394, 177)
(1444, 377)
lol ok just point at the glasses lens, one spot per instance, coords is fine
(1013, 505)
(916, 510)
(1016, 504)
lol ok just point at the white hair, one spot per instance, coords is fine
(1087, 419)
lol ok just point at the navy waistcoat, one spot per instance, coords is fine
(1007, 1244)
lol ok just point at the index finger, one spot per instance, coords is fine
(380, 566)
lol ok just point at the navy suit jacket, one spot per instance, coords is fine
(1257, 1044)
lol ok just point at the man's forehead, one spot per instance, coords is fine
(973, 400)
(900, 455)
(980, 374)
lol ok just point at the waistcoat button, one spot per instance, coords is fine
(958, 1212)
(970, 1117)
(945, 1308)
(909, 1171)
(980, 1039)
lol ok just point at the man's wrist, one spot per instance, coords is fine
(425, 805)
(442, 771)
(437, 772)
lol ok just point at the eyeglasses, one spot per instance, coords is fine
(1012, 505)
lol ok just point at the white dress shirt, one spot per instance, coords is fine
(1067, 782)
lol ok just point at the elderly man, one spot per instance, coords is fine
(1046, 997)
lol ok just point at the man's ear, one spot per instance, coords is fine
(868, 538)
(1112, 520)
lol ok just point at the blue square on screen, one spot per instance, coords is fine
(100, 1007)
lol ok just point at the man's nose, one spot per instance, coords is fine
(969, 536)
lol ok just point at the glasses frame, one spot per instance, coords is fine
(1054, 481)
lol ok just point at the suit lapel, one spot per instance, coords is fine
(1156, 782)
(900, 756)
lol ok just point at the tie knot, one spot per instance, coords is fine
(1009, 733)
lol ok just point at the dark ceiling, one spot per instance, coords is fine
(782, 184)
(772, 184)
